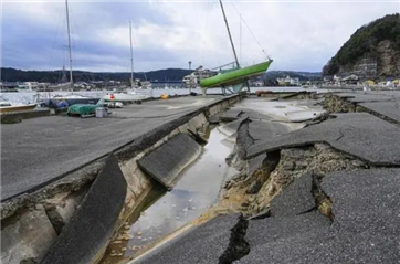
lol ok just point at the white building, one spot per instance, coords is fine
(193, 79)
(30, 86)
(288, 80)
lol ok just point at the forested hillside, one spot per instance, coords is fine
(365, 41)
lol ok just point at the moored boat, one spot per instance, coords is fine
(125, 97)
(6, 107)
(16, 108)
(70, 99)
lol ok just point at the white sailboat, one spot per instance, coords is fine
(6, 106)
(134, 94)
(71, 98)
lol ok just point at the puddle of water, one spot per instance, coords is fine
(284, 110)
(197, 189)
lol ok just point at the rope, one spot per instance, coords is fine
(247, 26)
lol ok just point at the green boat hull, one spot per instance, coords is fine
(236, 76)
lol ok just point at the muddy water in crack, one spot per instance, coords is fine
(197, 189)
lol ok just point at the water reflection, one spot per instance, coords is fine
(197, 189)
(194, 193)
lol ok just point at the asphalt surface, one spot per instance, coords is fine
(42, 149)
(368, 97)
(365, 202)
(202, 245)
(365, 229)
(362, 135)
(389, 109)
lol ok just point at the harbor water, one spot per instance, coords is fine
(28, 97)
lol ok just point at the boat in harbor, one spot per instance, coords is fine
(70, 99)
(129, 97)
(8, 107)
(134, 94)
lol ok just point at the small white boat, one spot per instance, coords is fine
(125, 97)
(7, 107)
(70, 99)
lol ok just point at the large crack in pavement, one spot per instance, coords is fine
(238, 246)
(322, 200)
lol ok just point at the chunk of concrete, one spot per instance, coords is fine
(166, 162)
(231, 115)
(296, 199)
(92, 225)
(29, 236)
(255, 164)
(261, 129)
(214, 119)
(230, 129)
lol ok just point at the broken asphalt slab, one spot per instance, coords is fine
(203, 244)
(365, 229)
(164, 163)
(361, 135)
(390, 110)
(93, 223)
(231, 115)
(251, 132)
(363, 97)
(296, 199)
(260, 129)
(285, 239)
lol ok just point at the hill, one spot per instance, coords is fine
(373, 51)
(14, 75)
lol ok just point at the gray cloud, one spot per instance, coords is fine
(298, 35)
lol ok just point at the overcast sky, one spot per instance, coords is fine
(299, 35)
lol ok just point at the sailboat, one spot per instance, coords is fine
(133, 95)
(237, 77)
(71, 98)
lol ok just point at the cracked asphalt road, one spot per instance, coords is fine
(39, 150)
(364, 136)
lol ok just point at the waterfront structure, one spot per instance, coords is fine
(288, 80)
(194, 79)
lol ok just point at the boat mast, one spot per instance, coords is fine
(229, 32)
(240, 38)
(131, 49)
(69, 43)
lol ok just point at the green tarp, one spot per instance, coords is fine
(82, 109)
